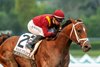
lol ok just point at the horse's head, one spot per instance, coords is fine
(76, 31)
(3, 37)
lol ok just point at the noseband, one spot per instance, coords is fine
(76, 35)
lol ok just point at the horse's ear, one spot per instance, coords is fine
(79, 20)
(72, 20)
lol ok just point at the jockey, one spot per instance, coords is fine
(46, 25)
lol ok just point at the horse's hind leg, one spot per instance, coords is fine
(7, 60)
(23, 62)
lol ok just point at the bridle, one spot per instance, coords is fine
(76, 35)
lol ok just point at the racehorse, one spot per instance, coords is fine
(51, 53)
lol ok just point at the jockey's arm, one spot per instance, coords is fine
(46, 32)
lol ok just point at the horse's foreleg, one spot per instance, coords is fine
(7, 59)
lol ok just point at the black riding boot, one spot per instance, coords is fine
(33, 40)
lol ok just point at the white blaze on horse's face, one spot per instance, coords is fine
(79, 33)
(83, 29)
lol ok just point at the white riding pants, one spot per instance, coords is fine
(36, 30)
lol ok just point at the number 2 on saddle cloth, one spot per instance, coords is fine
(32, 41)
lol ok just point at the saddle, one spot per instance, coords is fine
(27, 45)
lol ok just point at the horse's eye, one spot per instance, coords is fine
(79, 31)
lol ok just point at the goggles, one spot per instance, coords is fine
(59, 19)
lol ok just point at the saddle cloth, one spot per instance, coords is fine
(21, 49)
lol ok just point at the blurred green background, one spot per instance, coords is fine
(15, 14)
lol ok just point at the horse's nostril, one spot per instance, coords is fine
(86, 46)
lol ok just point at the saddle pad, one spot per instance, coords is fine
(20, 48)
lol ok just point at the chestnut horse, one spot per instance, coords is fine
(52, 53)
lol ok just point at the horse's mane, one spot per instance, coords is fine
(66, 23)
(69, 21)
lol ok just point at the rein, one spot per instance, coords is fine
(74, 31)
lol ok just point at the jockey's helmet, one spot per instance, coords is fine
(59, 15)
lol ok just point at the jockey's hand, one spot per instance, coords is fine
(53, 35)
(59, 30)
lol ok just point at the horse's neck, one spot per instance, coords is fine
(63, 44)
(62, 41)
